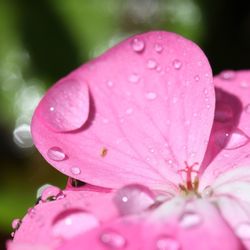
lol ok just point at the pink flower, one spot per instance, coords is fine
(141, 122)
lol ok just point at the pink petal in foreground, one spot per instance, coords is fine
(151, 110)
(69, 214)
(200, 228)
(229, 145)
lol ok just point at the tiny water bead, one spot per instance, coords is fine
(197, 78)
(138, 45)
(110, 84)
(207, 192)
(190, 219)
(227, 75)
(75, 170)
(72, 222)
(151, 95)
(158, 48)
(51, 193)
(151, 64)
(133, 198)
(167, 243)
(134, 78)
(56, 154)
(177, 64)
(112, 240)
(243, 230)
(16, 224)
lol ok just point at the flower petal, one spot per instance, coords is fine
(229, 145)
(150, 111)
(74, 212)
(174, 232)
(231, 191)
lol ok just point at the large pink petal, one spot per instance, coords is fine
(229, 145)
(73, 212)
(151, 109)
(202, 228)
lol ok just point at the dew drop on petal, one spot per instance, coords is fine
(75, 170)
(177, 64)
(223, 113)
(65, 107)
(190, 219)
(167, 243)
(158, 48)
(72, 222)
(151, 95)
(151, 64)
(197, 78)
(138, 45)
(110, 84)
(112, 240)
(133, 198)
(237, 139)
(129, 111)
(227, 75)
(16, 224)
(56, 154)
(207, 192)
(50, 193)
(243, 231)
(134, 78)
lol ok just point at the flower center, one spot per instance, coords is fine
(190, 178)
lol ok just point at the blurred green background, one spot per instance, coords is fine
(41, 41)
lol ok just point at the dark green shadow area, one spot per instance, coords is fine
(53, 52)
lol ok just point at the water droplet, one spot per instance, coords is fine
(138, 45)
(22, 136)
(231, 140)
(247, 108)
(177, 64)
(129, 111)
(72, 222)
(197, 78)
(61, 106)
(134, 78)
(16, 224)
(190, 219)
(207, 192)
(227, 75)
(110, 84)
(75, 170)
(158, 48)
(151, 95)
(56, 154)
(244, 84)
(167, 243)
(133, 198)
(223, 112)
(151, 64)
(113, 240)
(50, 193)
(243, 231)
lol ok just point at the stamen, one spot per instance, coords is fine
(191, 185)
